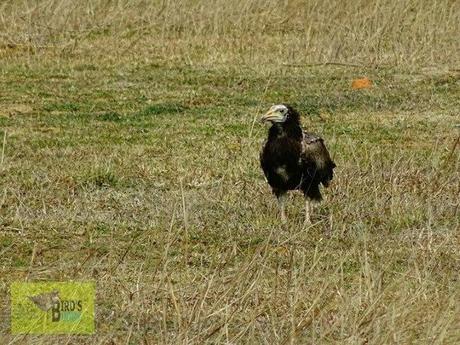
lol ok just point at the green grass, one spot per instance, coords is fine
(139, 170)
(156, 194)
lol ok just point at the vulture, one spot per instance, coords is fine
(293, 159)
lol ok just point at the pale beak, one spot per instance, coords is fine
(272, 116)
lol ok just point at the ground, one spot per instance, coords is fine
(140, 171)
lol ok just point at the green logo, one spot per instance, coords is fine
(52, 308)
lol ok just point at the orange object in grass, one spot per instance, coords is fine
(362, 83)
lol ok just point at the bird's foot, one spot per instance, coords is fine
(283, 219)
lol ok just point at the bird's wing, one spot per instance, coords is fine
(315, 158)
(41, 301)
(313, 149)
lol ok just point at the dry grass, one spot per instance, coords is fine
(130, 156)
(409, 32)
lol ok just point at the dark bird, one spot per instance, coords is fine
(293, 159)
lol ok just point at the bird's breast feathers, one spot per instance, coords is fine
(281, 171)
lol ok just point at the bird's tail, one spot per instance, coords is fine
(328, 173)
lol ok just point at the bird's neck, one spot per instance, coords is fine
(291, 130)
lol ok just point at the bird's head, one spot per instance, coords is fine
(280, 113)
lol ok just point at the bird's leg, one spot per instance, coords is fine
(281, 203)
(307, 212)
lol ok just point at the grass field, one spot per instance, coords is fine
(129, 156)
